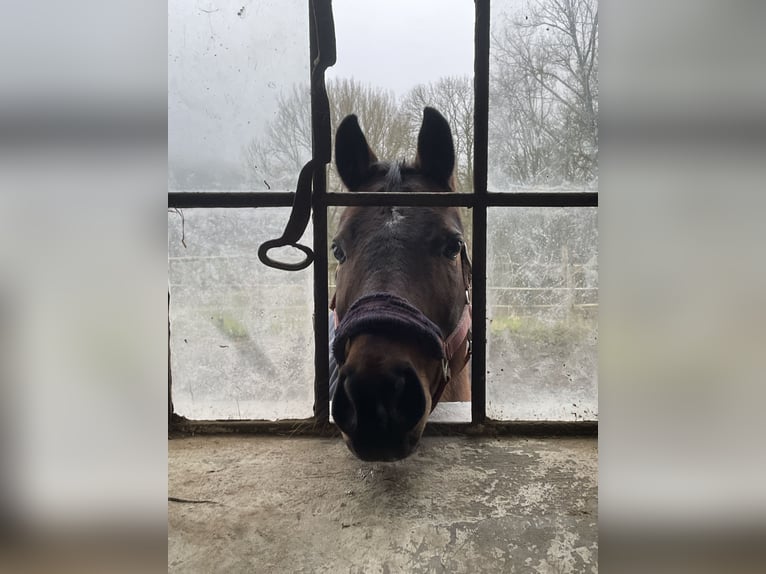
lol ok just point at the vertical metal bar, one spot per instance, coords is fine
(322, 49)
(321, 335)
(481, 137)
(170, 373)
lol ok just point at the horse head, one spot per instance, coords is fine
(401, 306)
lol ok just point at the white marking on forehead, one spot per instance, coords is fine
(396, 217)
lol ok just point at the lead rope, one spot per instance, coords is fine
(296, 226)
(322, 43)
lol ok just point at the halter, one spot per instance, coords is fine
(391, 315)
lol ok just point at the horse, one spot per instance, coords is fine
(401, 312)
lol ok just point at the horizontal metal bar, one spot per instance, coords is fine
(311, 427)
(229, 199)
(226, 199)
(286, 427)
(402, 198)
(543, 199)
(515, 428)
(514, 199)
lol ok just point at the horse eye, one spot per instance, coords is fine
(338, 252)
(453, 247)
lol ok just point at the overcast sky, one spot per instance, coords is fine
(398, 44)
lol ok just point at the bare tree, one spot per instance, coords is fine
(544, 94)
(384, 127)
(280, 153)
(275, 159)
(520, 147)
(453, 97)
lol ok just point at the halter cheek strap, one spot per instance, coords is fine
(457, 352)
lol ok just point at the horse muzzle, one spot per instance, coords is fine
(380, 406)
(395, 364)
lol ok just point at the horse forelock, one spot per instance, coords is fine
(401, 176)
(393, 178)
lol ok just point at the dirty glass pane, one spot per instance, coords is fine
(241, 333)
(237, 92)
(542, 309)
(395, 58)
(543, 96)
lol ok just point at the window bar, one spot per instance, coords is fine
(543, 199)
(400, 198)
(481, 138)
(237, 199)
(229, 199)
(322, 49)
(170, 373)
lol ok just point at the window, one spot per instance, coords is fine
(248, 342)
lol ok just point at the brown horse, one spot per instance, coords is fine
(401, 310)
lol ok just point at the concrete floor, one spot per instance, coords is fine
(459, 504)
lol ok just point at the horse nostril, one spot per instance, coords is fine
(343, 410)
(410, 399)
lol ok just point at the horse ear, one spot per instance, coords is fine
(436, 151)
(353, 155)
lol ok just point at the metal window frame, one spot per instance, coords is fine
(321, 26)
